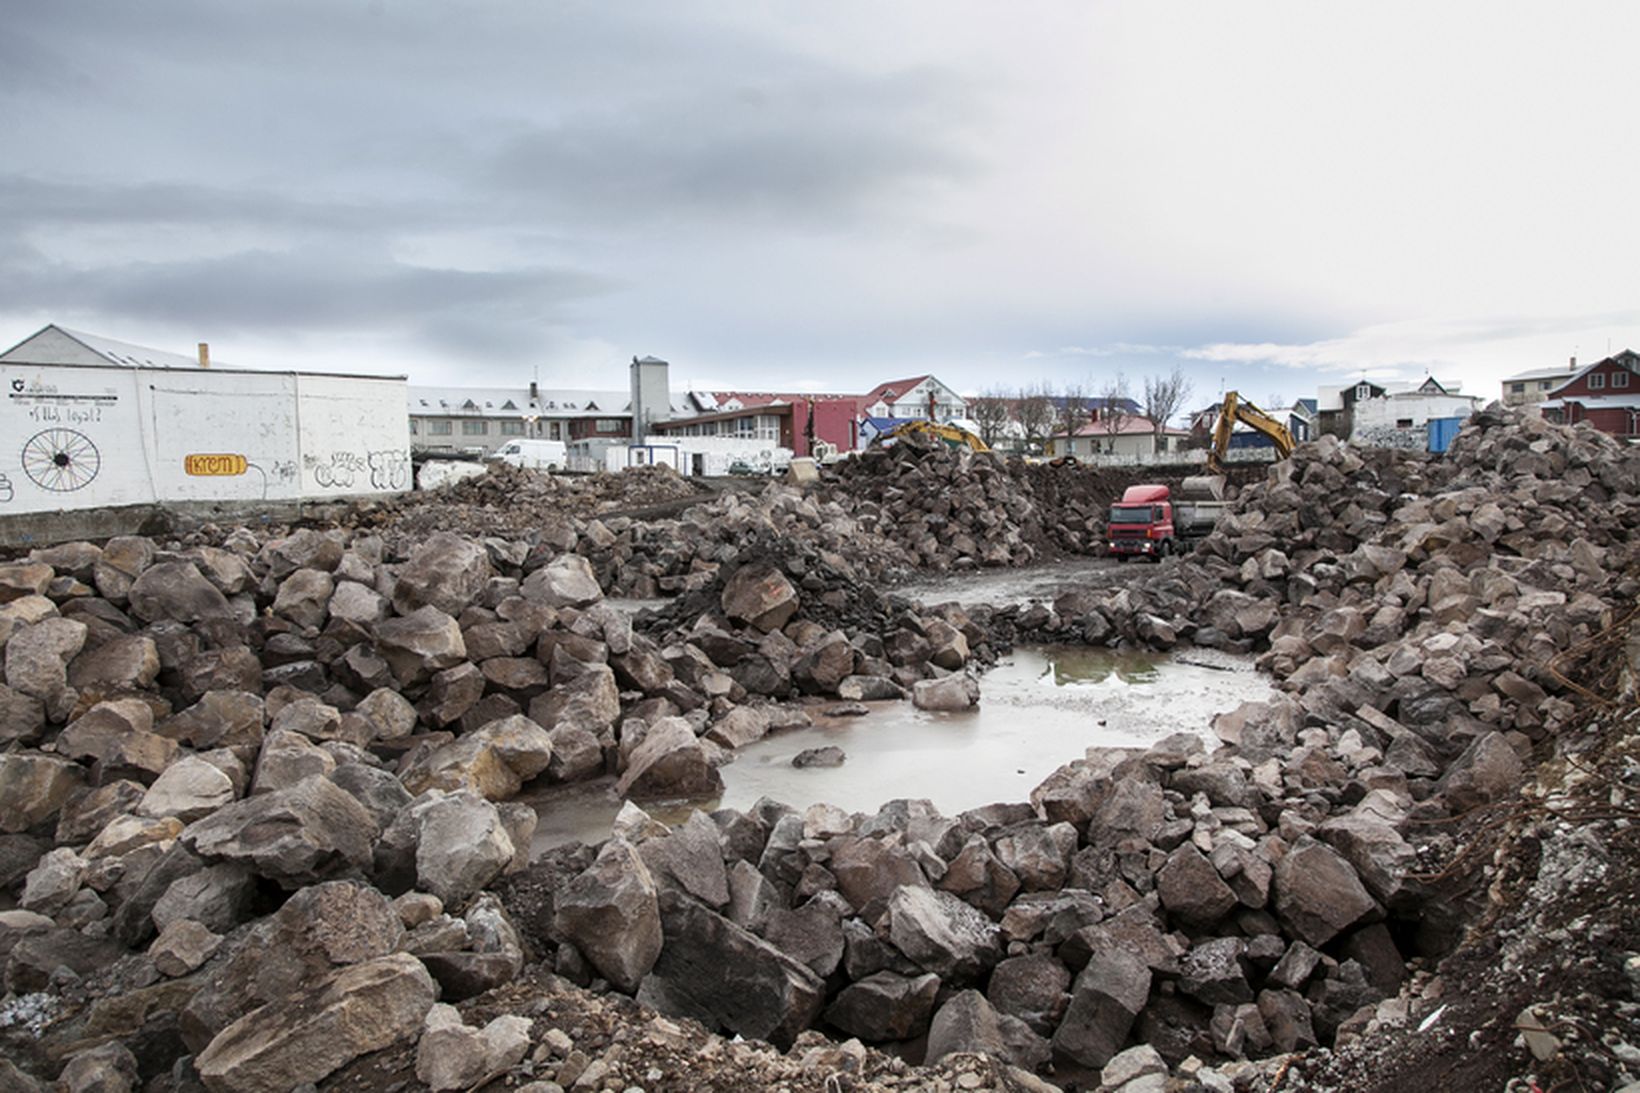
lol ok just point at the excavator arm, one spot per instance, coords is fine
(949, 434)
(1236, 409)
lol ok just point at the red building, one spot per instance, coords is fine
(1606, 394)
(795, 421)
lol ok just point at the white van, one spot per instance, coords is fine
(537, 455)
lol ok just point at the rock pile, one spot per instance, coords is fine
(256, 793)
(510, 501)
(947, 508)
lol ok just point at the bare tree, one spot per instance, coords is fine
(1164, 397)
(1073, 411)
(991, 412)
(1114, 399)
(1035, 414)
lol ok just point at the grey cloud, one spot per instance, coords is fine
(306, 290)
(791, 155)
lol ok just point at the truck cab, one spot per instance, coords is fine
(1141, 524)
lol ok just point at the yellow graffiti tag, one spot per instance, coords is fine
(215, 464)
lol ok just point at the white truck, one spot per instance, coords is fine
(536, 455)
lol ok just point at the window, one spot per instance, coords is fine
(413, 429)
(438, 428)
(1403, 423)
(1362, 391)
(512, 428)
(1597, 381)
(475, 428)
(1517, 388)
(1544, 385)
(605, 425)
(1620, 379)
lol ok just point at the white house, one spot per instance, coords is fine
(1131, 436)
(918, 397)
(1409, 407)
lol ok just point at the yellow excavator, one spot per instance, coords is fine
(1236, 409)
(951, 435)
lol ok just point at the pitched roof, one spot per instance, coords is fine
(1628, 358)
(896, 388)
(1129, 425)
(124, 354)
(516, 402)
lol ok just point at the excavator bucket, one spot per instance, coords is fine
(1203, 487)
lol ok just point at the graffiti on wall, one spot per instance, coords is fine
(341, 471)
(389, 469)
(61, 460)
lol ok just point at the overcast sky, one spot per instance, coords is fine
(826, 195)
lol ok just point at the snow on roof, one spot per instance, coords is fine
(516, 402)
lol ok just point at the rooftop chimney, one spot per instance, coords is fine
(1572, 367)
(535, 390)
(204, 355)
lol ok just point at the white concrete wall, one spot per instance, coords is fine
(1383, 413)
(76, 437)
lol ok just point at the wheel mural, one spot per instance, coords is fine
(61, 460)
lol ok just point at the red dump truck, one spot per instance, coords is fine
(1148, 523)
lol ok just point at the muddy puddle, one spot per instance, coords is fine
(1039, 708)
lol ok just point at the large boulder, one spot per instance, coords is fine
(294, 836)
(126, 663)
(419, 644)
(304, 597)
(351, 1012)
(119, 735)
(669, 763)
(1317, 894)
(1192, 890)
(950, 693)
(942, 934)
(1107, 997)
(179, 592)
(494, 761)
(727, 978)
(690, 858)
(445, 571)
(462, 845)
(611, 913)
(188, 789)
(885, 1006)
(761, 596)
(37, 656)
(966, 1022)
(33, 787)
(566, 581)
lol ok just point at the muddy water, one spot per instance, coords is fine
(1039, 708)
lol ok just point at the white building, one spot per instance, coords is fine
(98, 423)
(1411, 407)
(918, 397)
(1533, 386)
